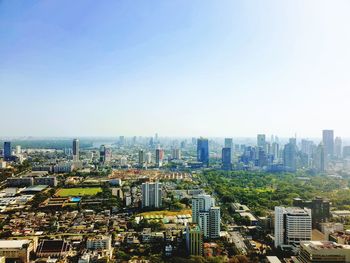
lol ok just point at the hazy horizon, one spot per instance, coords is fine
(179, 68)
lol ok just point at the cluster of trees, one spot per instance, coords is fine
(262, 191)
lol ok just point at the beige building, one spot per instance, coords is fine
(16, 249)
(322, 251)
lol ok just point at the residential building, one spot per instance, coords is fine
(206, 215)
(75, 150)
(152, 195)
(99, 242)
(194, 240)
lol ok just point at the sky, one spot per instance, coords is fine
(178, 68)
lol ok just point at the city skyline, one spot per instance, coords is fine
(181, 68)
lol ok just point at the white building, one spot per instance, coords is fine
(292, 225)
(152, 195)
(206, 215)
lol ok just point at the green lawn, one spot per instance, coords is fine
(64, 192)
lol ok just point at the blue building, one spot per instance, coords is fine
(203, 151)
(7, 151)
(226, 158)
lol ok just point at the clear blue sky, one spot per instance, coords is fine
(211, 68)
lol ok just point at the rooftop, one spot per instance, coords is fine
(13, 243)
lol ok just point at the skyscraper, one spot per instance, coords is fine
(261, 141)
(320, 158)
(105, 154)
(7, 151)
(292, 225)
(289, 156)
(328, 142)
(152, 195)
(203, 151)
(75, 150)
(228, 143)
(159, 157)
(141, 157)
(226, 159)
(338, 147)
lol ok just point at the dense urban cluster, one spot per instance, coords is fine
(138, 199)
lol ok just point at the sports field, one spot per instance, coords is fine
(65, 192)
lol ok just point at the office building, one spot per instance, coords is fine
(320, 209)
(19, 181)
(76, 150)
(203, 151)
(338, 147)
(328, 142)
(7, 151)
(320, 159)
(226, 159)
(159, 157)
(261, 141)
(322, 252)
(105, 154)
(275, 150)
(141, 158)
(46, 180)
(290, 156)
(346, 152)
(229, 144)
(292, 225)
(176, 154)
(194, 240)
(152, 195)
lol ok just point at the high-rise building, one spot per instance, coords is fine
(18, 150)
(320, 159)
(7, 151)
(148, 157)
(289, 156)
(214, 221)
(228, 143)
(194, 240)
(226, 159)
(105, 154)
(203, 151)
(338, 147)
(328, 142)
(141, 157)
(75, 150)
(306, 146)
(152, 195)
(201, 203)
(320, 209)
(176, 154)
(346, 152)
(261, 141)
(292, 225)
(159, 157)
(275, 149)
(206, 215)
